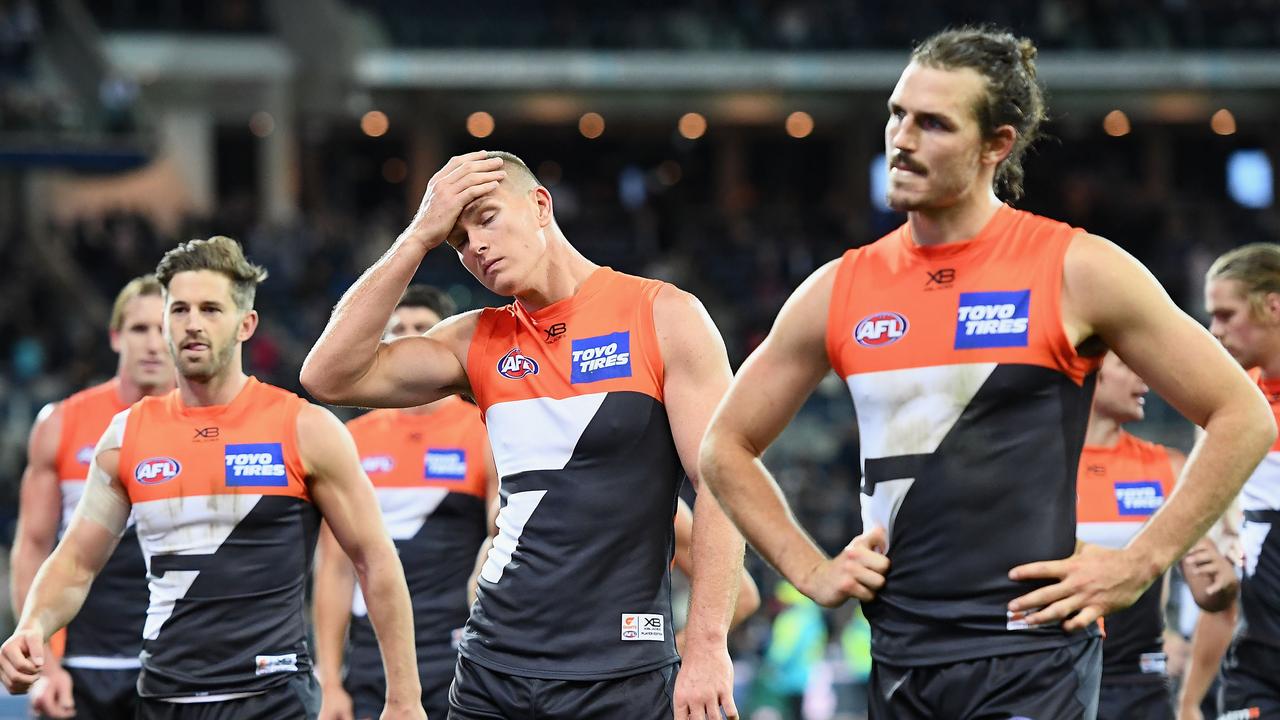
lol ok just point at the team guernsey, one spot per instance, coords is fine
(971, 406)
(107, 633)
(1260, 533)
(1120, 488)
(577, 584)
(228, 531)
(429, 475)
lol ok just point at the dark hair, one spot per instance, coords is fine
(219, 254)
(431, 298)
(1014, 96)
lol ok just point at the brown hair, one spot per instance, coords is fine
(431, 298)
(1014, 96)
(137, 287)
(1256, 267)
(219, 254)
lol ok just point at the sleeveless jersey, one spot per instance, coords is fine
(228, 531)
(971, 406)
(1119, 489)
(1260, 534)
(429, 474)
(577, 585)
(107, 633)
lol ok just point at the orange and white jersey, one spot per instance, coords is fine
(971, 405)
(227, 527)
(107, 632)
(1120, 488)
(429, 472)
(577, 585)
(1260, 500)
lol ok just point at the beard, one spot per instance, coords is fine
(205, 369)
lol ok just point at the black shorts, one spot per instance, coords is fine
(1056, 684)
(1251, 682)
(479, 693)
(297, 699)
(104, 694)
(1136, 698)
(368, 689)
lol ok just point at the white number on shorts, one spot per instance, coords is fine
(511, 522)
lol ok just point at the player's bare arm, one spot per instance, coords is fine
(349, 364)
(695, 376)
(766, 394)
(346, 499)
(748, 600)
(1109, 295)
(1209, 573)
(39, 505)
(335, 582)
(63, 581)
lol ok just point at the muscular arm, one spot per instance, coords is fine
(39, 505)
(345, 497)
(349, 364)
(1109, 295)
(335, 582)
(1209, 574)
(766, 394)
(748, 600)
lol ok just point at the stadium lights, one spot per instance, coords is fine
(374, 123)
(591, 125)
(1116, 124)
(480, 124)
(692, 126)
(799, 124)
(261, 123)
(1223, 122)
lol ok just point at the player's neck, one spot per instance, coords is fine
(956, 223)
(1102, 431)
(562, 272)
(218, 390)
(1271, 368)
(130, 392)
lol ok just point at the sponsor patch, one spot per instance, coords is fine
(156, 470)
(993, 319)
(1153, 662)
(267, 664)
(639, 626)
(1018, 620)
(84, 455)
(378, 464)
(601, 358)
(445, 464)
(515, 366)
(880, 329)
(255, 465)
(1143, 497)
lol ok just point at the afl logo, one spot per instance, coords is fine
(515, 366)
(156, 470)
(880, 329)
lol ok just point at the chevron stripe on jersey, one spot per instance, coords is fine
(109, 624)
(572, 396)
(227, 528)
(1260, 535)
(429, 473)
(1119, 488)
(971, 407)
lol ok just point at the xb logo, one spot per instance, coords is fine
(940, 278)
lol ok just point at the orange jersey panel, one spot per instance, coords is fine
(993, 299)
(597, 341)
(1126, 483)
(248, 446)
(445, 449)
(84, 416)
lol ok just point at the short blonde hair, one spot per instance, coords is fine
(137, 287)
(219, 254)
(1256, 267)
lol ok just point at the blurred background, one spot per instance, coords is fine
(730, 147)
